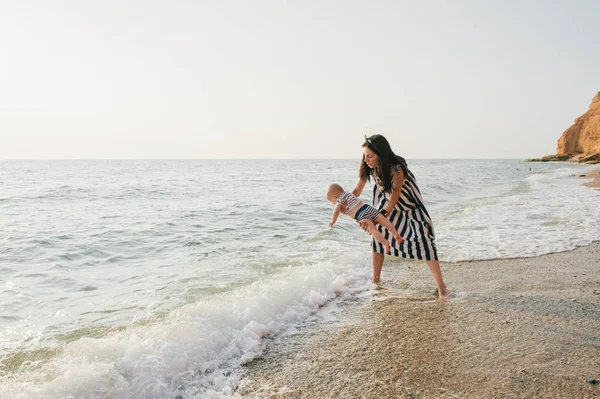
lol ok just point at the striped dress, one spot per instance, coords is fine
(410, 218)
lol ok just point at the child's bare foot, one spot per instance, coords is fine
(398, 238)
(387, 247)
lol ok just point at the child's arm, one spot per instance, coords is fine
(335, 214)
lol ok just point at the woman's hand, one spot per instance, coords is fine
(364, 224)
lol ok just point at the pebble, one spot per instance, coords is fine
(592, 381)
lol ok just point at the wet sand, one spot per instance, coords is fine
(514, 328)
(594, 174)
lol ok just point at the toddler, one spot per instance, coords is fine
(347, 203)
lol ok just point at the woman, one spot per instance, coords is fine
(398, 198)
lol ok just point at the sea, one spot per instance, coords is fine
(162, 278)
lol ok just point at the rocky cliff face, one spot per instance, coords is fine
(580, 142)
(583, 138)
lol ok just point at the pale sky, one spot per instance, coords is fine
(293, 79)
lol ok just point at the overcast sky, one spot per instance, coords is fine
(293, 79)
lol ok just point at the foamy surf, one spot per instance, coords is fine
(196, 350)
(543, 213)
(157, 283)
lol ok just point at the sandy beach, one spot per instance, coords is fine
(594, 174)
(514, 328)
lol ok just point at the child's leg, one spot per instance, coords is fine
(372, 229)
(385, 222)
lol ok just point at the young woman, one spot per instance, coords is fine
(398, 198)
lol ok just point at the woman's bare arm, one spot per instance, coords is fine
(397, 182)
(360, 185)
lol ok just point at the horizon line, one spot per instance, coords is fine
(243, 159)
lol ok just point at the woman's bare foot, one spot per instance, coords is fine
(442, 293)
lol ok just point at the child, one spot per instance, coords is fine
(347, 203)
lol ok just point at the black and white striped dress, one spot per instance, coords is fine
(410, 218)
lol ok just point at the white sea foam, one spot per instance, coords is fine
(227, 263)
(196, 350)
(545, 212)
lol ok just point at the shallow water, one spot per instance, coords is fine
(138, 278)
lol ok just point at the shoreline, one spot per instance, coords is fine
(593, 174)
(521, 327)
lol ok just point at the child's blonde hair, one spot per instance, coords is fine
(334, 189)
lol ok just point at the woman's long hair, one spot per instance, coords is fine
(387, 159)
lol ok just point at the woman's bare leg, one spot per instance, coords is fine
(365, 224)
(377, 266)
(434, 268)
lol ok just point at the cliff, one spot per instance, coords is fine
(580, 142)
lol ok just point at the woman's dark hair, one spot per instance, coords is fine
(387, 159)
